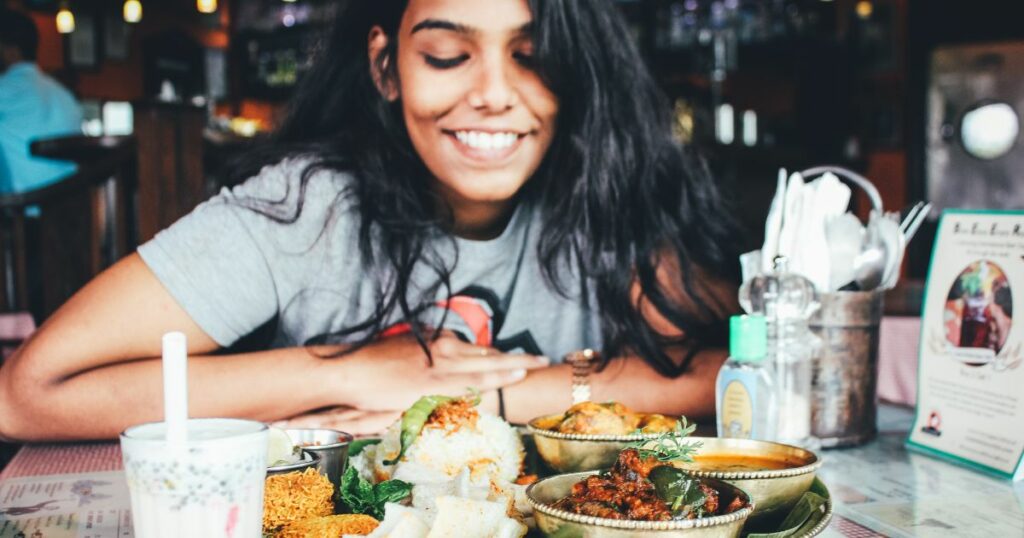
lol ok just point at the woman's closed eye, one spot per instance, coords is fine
(525, 59)
(445, 63)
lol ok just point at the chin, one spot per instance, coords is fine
(485, 188)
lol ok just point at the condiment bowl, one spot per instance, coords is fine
(309, 460)
(774, 491)
(552, 521)
(575, 452)
(330, 445)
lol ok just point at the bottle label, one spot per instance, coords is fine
(737, 411)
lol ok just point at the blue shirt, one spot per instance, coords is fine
(33, 106)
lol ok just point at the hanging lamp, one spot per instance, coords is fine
(206, 6)
(132, 11)
(65, 19)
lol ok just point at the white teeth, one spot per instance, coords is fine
(486, 141)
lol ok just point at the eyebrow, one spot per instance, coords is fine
(441, 24)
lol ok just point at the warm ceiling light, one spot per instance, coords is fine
(65, 20)
(206, 6)
(289, 1)
(865, 8)
(132, 11)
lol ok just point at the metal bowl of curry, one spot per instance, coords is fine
(544, 496)
(775, 475)
(589, 436)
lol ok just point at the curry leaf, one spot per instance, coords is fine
(391, 491)
(678, 489)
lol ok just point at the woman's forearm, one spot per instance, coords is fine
(99, 403)
(629, 381)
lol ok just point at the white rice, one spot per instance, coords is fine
(492, 451)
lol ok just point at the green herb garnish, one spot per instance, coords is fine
(669, 446)
(361, 497)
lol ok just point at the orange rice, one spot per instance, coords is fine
(294, 497)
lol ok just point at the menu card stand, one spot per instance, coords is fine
(970, 406)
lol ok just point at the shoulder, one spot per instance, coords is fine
(27, 89)
(293, 200)
(290, 182)
(16, 83)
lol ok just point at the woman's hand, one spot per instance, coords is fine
(392, 373)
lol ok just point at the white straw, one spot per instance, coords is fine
(175, 361)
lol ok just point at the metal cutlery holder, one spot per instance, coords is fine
(843, 387)
(844, 383)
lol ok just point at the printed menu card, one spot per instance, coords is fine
(970, 405)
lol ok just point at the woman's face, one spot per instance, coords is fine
(477, 113)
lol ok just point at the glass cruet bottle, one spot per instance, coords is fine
(787, 301)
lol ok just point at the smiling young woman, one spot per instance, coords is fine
(461, 190)
(477, 113)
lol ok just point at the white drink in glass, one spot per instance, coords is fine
(211, 486)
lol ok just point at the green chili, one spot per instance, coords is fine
(413, 420)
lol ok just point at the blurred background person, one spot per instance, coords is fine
(32, 106)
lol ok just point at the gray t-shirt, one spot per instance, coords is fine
(233, 269)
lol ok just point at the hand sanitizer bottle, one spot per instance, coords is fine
(745, 393)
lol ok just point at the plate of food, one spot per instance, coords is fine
(446, 468)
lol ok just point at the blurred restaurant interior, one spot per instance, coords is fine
(171, 90)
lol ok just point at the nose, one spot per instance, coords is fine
(494, 89)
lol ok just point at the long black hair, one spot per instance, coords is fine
(620, 197)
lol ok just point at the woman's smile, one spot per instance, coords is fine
(486, 148)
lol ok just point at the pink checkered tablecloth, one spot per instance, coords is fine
(51, 459)
(897, 359)
(851, 529)
(14, 327)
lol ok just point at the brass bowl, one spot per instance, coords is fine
(576, 452)
(775, 491)
(552, 521)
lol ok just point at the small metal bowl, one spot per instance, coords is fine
(576, 452)
(543, 493)
(309, 460)
(775, 491)
(330, 445)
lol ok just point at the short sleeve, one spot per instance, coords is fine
(214, 269)
(229, 261)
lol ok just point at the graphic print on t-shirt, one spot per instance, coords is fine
(475, 316)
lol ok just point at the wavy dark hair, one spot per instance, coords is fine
(619, 197)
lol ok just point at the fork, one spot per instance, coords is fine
(914, 220)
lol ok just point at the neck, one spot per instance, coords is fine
(479, 221)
